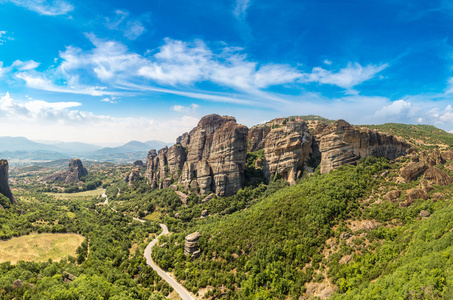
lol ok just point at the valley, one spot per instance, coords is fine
(295, 208)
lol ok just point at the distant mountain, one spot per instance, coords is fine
(76, 147)
(153, 144)
(12, 144)
(133, 146)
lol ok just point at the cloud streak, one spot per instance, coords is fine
(45, 7)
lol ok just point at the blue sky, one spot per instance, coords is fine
(108, 72)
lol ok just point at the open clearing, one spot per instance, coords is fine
(40, 247)
(67, 196)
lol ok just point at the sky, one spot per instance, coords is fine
(107, 72)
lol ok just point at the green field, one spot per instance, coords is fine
(40, 247)
(66, 196)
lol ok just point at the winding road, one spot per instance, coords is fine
(183, 293)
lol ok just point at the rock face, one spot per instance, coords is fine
(287, 150)
(4, 185)
(191, 244)
(437, 176)
(132, 176)
(341, 143)
(72, 175)
(138, 163)
(413, 170)
(209, 158)
(256, 136)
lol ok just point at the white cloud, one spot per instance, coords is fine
(25, 65)
(354, 74)
(184, 109)
(109, 100)
(396, 108)
(45, 7)
(110, 68)
(131, 29)
(47, 120)
(327, 62)
(4, 37)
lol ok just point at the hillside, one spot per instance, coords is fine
(422, 136)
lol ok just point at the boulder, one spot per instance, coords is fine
(437, 176)
(134, 175)
(138, 163)
(413, 194)
(17, 284)
(447, 155)
(424, 214)
(204, 213)
(393, 196)
(191, 243)
(437, 196)
(413, 170)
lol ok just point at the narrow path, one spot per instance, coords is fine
(183, 293)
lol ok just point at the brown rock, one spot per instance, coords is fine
(341, 143)
(437, 196)
(256, 137)
(413, 194)
(345, 259)
(4, 184)
(183, 197)
(393, 196)
(72, 175)
(204, 213)
(413, 170)
(191, 244)
(286, 150)
(183, 140)
(138, 163)
(134, 175)
(207, 198)
(17, 284)
(424, 214)
(176, 157)
(437, 176)
(447, 155)
(259, 163)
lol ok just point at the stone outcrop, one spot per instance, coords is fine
(413, 170)
(393, 196)
(138, 163)
(4, 185)
(209, 158)
(437, 176)
(191, 244)
(447, 155)
(75, 171)
(341, 143)
(134, 175)
(256, 136)
(286, 151)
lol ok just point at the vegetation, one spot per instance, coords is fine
(423, 136)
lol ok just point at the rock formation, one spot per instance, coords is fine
(132, 176)
(209, 158)
(413, 170)
(341, 143)
(75, 171)
(437, 176)
(287, 150)
(138, 163)
(4, 185)
(191, 244)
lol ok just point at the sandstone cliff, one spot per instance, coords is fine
(4, 185)
(72, 175)
(211, 157)
(286, 150)
(341, 143)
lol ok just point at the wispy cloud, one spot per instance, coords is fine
(4, 37)
(347, 78)
(130, 27)
(181, 68)
(240, 10)
(110, 100)
(45, 7)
